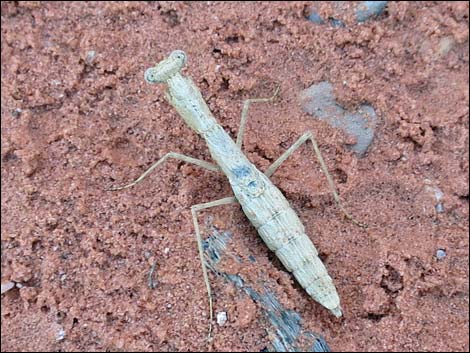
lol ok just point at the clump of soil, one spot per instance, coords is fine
(78, 117)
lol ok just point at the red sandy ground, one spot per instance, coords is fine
(82, 254)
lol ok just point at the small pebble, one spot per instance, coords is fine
(441, 254)
(90, 56)
(368, 9)
(336, 23)
(315, 18)
(60, 335)
(439, 208)
(221, 318)
(16, 113)
(437, 193)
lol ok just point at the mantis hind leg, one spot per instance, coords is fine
(194, 210)
(304, 138)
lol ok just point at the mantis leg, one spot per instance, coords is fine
(194, 210)
(309, 136)
(174, 155)
(246, 106)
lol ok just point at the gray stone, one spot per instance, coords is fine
(319, 101)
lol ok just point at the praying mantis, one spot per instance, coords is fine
(262, 202)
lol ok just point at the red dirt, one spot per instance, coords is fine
(82, 254)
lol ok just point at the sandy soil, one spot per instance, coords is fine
(77, 117)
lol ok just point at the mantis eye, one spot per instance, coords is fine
(179, 55)
(151, 75)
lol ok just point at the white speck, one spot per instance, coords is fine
(166, 251)
(90, 56)
(60, 335)
(217, 68)
(19, 285)
(17, 112)
(441, 254)
(221, 318)
(438, 194)
(168, 306)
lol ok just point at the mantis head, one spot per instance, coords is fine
(166, 68)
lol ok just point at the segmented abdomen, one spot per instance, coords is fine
(297, 253)
(282, 231)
